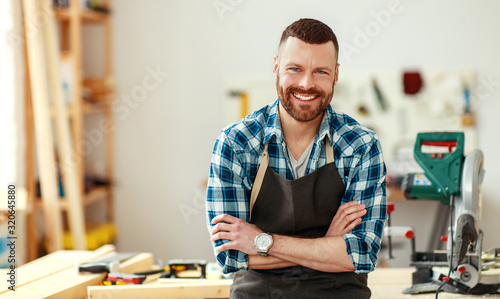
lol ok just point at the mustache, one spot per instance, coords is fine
(311, 91)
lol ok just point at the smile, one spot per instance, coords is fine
(304, 98)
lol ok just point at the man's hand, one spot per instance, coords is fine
(348, 216)
(241, 234)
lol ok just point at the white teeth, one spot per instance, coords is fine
(304, 98)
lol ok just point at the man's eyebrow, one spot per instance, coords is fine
(292, 63)
(296, 64)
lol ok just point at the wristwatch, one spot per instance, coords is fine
(263, 242)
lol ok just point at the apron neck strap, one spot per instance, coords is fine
(329, 151)
(264, 162)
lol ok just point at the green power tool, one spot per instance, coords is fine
(454, 180)
(441, 155)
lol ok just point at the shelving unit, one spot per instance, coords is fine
(98, 101)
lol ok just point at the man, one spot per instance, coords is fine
(296, 199)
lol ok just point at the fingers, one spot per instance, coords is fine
(350, 211)
(222, 231)
(235, 233)
(219, 227)
(227, 246)
(350, 208)
(222, 223)
(351, 226)
(353, 215)
(348, 216)
(220, 236)
(224, 218)
(348, 204)
(222, 248)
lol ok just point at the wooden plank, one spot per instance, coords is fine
(188, 281)
(391, 276)
(43, 133)
(195, 289)
(67, 282)
(110, 166)
(53, 263)
(64, 143)
(64, 32)
(385, 283)
(75, 44)
(64, 284)
(108, 72)
(389, 283)
(396, 292)
(108, 38)
(138, 263)
(32, 236)
(70, 284)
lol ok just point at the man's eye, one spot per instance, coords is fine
(321, 72)
(295, 69)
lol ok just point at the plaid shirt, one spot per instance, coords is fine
(358, 157)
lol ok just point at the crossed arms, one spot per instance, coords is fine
(328, 254)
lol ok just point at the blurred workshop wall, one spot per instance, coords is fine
(172, 59)
(12, 97)
(12, 142)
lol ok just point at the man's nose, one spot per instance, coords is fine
(307, 81)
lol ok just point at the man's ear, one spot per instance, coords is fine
(275, 66)
(336, 74)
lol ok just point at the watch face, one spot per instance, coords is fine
(263, 242)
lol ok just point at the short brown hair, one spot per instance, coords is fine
(310, 31)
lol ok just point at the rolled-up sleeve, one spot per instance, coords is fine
(226, 194)
(367, 185)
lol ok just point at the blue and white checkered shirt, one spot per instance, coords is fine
(358, 157)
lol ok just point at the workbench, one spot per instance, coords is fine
(55, 276)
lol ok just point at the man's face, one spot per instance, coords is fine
(305, 77)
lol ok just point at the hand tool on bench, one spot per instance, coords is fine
(115, 277)
(163, 270)
(109, 264)
(179, 265)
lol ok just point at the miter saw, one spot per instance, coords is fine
(454, 180)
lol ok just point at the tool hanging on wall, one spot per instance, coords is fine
(382, 101)
(467, 116)
(412, 82)
(244, 104)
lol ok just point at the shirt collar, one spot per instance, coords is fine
(273, 125)
(325, 129)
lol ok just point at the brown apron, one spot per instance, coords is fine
(303, 207)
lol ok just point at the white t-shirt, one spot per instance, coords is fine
(299, 166)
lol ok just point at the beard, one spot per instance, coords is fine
(303, 113)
